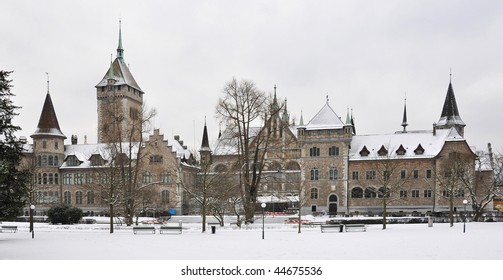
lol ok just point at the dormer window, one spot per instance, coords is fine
(364, 152)
(419, 150)
(96, 160)
(401, 151)
(72, 160)
(382, 151)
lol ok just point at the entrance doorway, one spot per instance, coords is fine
(332, 204)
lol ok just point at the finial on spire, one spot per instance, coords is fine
(47, 73)
(327, 98)
(450, 75)
(120, 50)
(404, 120)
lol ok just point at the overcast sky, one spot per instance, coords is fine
(365, 55)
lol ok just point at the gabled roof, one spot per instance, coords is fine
(121, 74)
(48, 124)
(427, 140)
(326, 118)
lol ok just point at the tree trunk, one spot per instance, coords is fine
(111, 218)
(384, 214)
(451, 211)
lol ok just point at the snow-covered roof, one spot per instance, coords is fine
(227, 144)
(416, 144)
(121, 74)
(83, 152)
(326, 118)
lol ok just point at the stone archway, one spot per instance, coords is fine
(332, 204)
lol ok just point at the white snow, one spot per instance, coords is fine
(230, 246)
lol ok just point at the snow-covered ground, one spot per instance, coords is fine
(282, 245)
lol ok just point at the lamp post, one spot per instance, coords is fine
(263, 208)
(32, 208)
(464, 210)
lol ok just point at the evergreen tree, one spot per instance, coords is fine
(12, 181)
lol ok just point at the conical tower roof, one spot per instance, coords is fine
(205, 144)
(48, 124)
(450, 114)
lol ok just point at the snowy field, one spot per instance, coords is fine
(423, 248)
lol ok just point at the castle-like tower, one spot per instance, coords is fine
(120, 101)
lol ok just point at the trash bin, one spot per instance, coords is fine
(213, 229)
(430, 221)
(341, 228)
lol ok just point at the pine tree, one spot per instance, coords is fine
(12, 181)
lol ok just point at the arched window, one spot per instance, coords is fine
(357, 192)
(332, 198)
(56, 178)
(370, 193)
(51, 178)
(67, 197)
(314, 193)
(165, 196)
(78, 197)
(90, 197)
(44, 178)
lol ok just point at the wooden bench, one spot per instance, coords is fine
(148, 229)
(331, 227)
(361, 227)
(174, 229)
(12, 229)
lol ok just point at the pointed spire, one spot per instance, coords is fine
(274, 105)
(301, 122)
(353, 122)
(286, 116)
(205, 144)
(120, 50)
(404, 120)
(348, 118)
(450, 114)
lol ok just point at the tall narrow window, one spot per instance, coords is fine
(165, 196)
(90, 197)
(314, 174)
(147, 177)
(78, 197)
(333, 173)
(314, 193)
(67, 197)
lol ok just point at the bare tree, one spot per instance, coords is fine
(125, 144)
(483, 184)
(242, 108)
(456, 173)
(388, 178)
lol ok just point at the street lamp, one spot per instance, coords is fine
(464, 210)
(32, 208)
(263, 208)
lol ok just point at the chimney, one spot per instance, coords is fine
(74, 139)
(434, 129)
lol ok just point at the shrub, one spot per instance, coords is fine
(64, 214)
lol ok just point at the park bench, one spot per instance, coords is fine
(147, 229)
(8, 229)
(361, 227)
(331, 227)
(173, 229)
